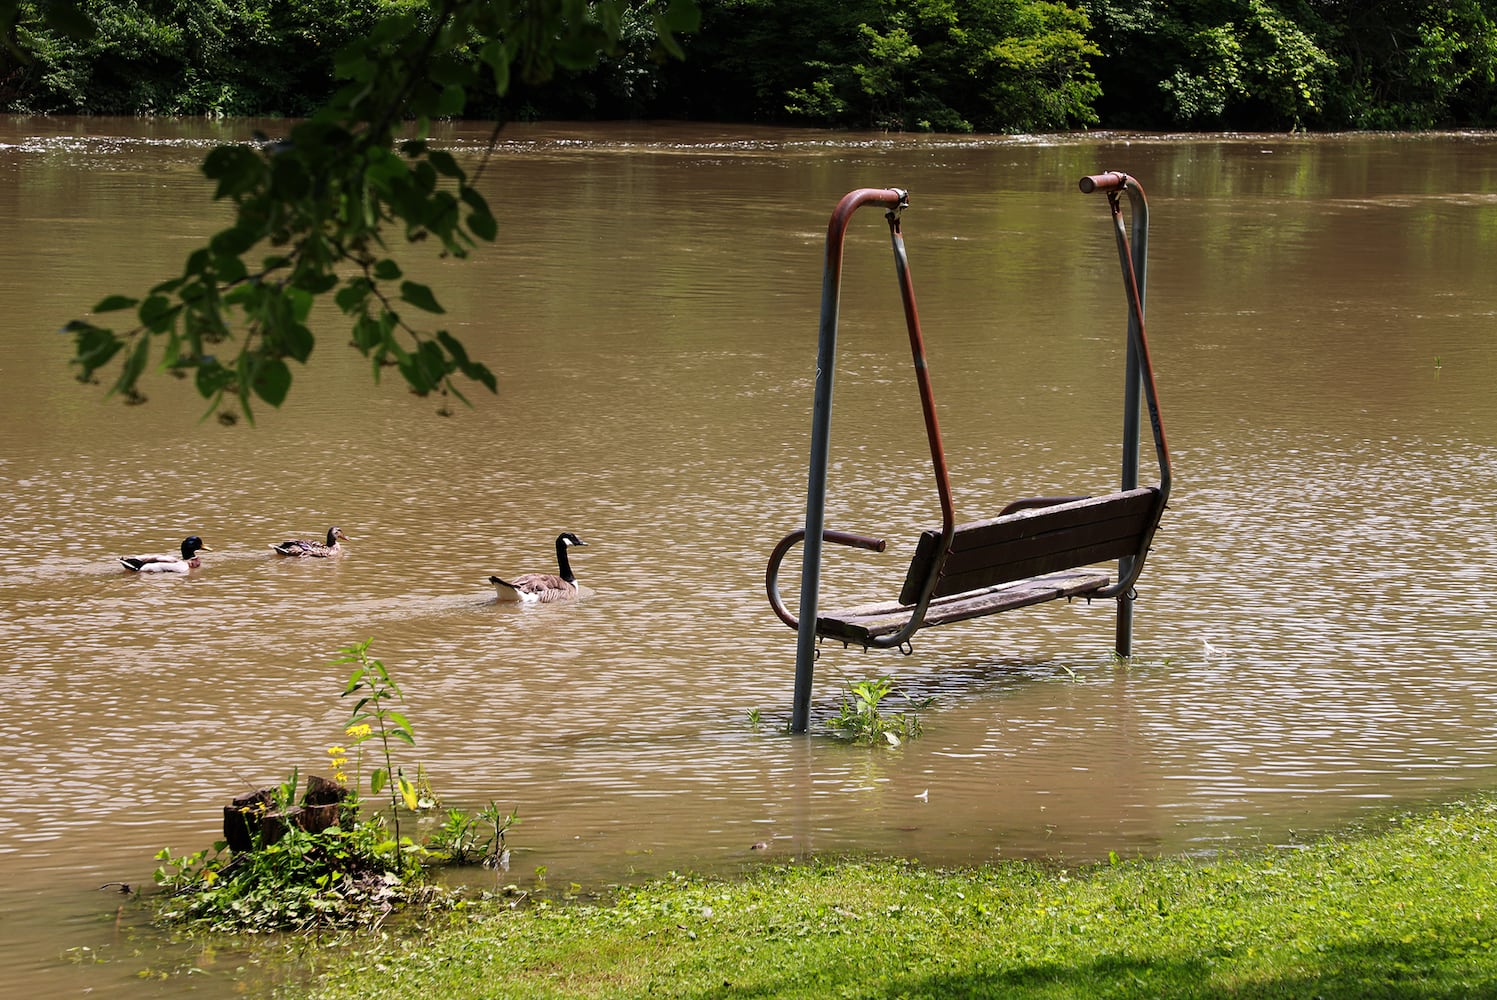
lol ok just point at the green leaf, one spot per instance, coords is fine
(114, 303)
(157, 313)
(233, 241)
(212, 378)
(481, 221)
(377, 779)
(481, 373)
(238, 169)
(273, 381)
(93, 346)
(445, 164)
(288, 179)
(352, 296)
(366, 334)
(420, 296)
(433, 362)
(131, 370)
(454, 347)
(298, 341)
(301, 301)
(472, 369)
(230, 269)
(387, 270)
(310, 285)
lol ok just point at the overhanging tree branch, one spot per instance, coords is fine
(313, 210)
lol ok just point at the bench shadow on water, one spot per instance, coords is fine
(1311, 638)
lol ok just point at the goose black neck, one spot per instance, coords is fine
(332, 537)
(562, 563)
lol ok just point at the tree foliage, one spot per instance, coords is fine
(1317, 64)
(991, 65)
(995, 65)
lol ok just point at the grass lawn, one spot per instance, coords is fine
(1407, 910)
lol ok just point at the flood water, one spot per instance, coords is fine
(1312, 635)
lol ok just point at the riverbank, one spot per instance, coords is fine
(1408, 909)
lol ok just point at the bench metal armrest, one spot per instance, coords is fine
(772, 572)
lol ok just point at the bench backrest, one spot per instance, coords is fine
(1036, 541)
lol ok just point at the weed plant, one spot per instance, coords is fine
(375, 719)
(466, 839)
(863, 719)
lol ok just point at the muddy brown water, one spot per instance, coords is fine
(1313, 643)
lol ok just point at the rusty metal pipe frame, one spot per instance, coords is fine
(938, 464)
(894, 200)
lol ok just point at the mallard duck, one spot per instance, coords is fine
(542, 588)
(300, 547)
(185, 563)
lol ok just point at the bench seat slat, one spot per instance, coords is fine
(1034, 542)
(1043, 556)
(865, 621)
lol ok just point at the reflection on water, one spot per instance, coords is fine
(1311, 634)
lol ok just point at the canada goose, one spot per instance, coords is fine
(541, 588)
(185, 563)
(300, 547)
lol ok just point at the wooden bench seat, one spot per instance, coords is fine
(863, 622)
(1029, 556)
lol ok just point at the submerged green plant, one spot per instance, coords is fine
(862, 720)
(497, 854)
(469, 838)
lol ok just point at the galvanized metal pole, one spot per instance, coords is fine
(821, 433)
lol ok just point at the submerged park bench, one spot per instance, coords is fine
(1036, 550)
(1023, 557)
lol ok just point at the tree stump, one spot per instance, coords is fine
(252, 821)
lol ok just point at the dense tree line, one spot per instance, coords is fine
(950, 65)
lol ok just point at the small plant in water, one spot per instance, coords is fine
(862, 720)
(753, 719)
(466, 838)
